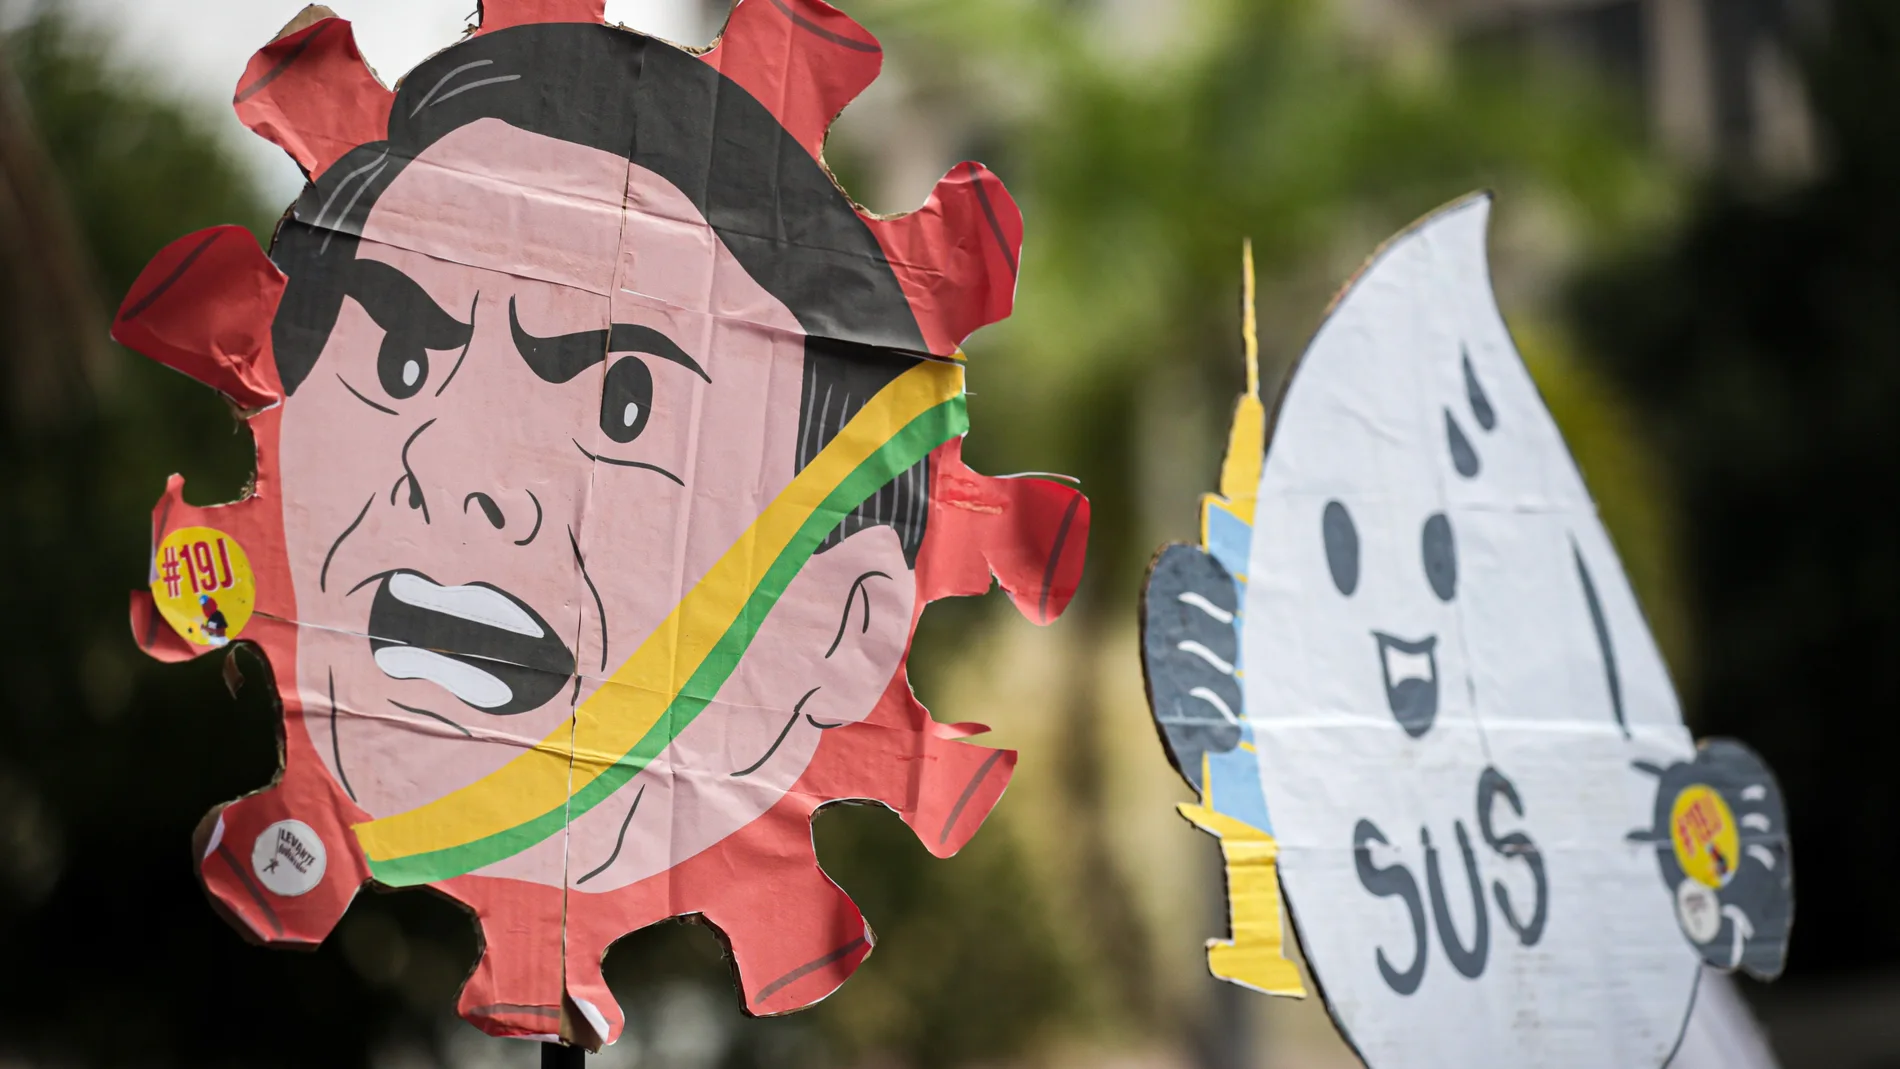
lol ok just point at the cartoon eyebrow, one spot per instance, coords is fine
(401, 307)
(560, 358)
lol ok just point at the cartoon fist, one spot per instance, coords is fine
(1721, 836)
(1189, 651)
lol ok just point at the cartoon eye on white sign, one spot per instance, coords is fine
(1473, 759)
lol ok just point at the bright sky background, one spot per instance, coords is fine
(201, 46)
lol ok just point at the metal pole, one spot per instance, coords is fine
(562, 1056)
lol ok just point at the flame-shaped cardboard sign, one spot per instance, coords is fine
(606, 458)
(1415, 693)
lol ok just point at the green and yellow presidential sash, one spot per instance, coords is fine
(658, 691)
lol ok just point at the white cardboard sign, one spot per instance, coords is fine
(1497, 840)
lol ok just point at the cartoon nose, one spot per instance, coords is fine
(488, 507)
(526, 515)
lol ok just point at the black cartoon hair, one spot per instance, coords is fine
(778, 211)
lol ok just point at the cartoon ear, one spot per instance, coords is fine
(864, 600)
(204, 306)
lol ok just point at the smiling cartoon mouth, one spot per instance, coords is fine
(1411, 680)
(478, 642)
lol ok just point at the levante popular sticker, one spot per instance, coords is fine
(607, 455)
(1414, 691)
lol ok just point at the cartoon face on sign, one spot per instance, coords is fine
(457, 415)
(605, 456)
(1468, 744)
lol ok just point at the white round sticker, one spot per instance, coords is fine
(288, 858)
(1699, 910)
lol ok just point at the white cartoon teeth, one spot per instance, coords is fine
(479, 604)
(1402, 665)
(1410, 669)
(464, 680)
(479, 642)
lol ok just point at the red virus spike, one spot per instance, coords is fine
(500, 14)
(1030, 533)
(311, 94)
(803, 59)
(957, 255)
(942, 787)
(204, 306)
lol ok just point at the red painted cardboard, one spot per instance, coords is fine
(607, 456)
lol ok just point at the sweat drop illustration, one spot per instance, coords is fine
(607, 456)
(1411, 684)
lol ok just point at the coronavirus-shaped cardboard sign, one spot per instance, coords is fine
(1415, 692)
(607, 455)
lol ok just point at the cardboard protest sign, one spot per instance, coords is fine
(607, 455)
(1414, 690)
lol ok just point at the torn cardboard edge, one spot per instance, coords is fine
(285, 862)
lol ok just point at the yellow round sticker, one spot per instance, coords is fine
(1703, 830)
(203, 584)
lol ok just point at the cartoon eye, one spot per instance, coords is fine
(402, 365)
(412, 323)
(1342, 547)
(627, 399)
(1441, 556)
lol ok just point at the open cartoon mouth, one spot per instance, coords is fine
(478, 642)
(1411, 680)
